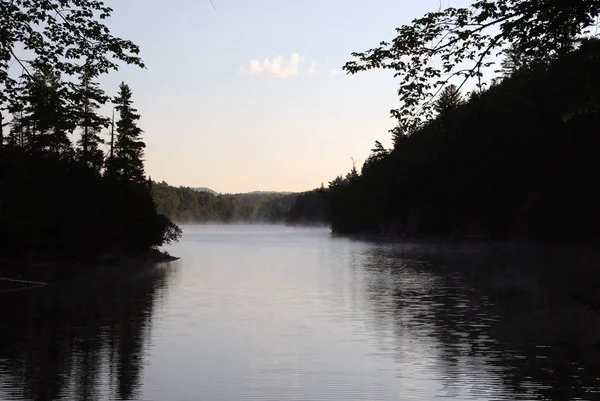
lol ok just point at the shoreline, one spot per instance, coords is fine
(43, 269)
(373, 236)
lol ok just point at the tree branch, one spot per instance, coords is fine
(20, 63)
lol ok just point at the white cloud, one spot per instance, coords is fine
(333, 73)
(277, 66)
(313, 68)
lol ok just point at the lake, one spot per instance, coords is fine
(278, 313)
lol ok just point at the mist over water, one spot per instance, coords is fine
(255, 312)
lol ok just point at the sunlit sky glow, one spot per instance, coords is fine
(250, 95)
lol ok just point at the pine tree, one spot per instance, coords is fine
(45, 113)
(89, 97)
(51, 204)
(17, 127)
(450, 98)
(128, 160)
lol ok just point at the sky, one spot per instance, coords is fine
(250, 95)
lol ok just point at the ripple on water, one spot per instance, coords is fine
(273, 313)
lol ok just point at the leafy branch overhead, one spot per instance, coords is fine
(68, 35)
(460, 43)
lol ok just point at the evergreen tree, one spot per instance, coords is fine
(17, 125)
(449, 99)
(45, 113)
(89, 97)
(513, 61)
(51, 207)
(128, 160)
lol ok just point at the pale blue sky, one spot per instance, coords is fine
(213, 119)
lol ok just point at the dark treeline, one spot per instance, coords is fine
(63, 199)
(61, 195)
(185, 204)
(515, 160)
(310, 208)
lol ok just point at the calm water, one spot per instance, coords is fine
(273, 313)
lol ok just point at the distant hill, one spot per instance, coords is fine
(201, 204)
(204, 189)
(271, 193)
(283, 193)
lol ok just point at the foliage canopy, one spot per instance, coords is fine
(460, 43)
(68, 35)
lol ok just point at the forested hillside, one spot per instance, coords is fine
(515, 157)
(517, 160)
(185, 204)
(310, 208)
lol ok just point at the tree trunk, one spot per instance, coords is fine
(57, 140)
(112, 143)
(1, 133)
(85, 144)
(85, 135)
(1, 161)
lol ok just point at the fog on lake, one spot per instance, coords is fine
(280, 313)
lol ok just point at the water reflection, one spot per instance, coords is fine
(83, 338)
(271, 313)
(503, 322)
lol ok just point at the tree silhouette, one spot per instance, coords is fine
(513, 161)
(460, 43)
(129, 150)
(59, 33)
(449, 99)
(55, 200)
(89, 97)
(46, 113)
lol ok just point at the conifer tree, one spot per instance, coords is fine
(45, 113)
(128, 160)
(49, 204)
(450, 98)
(89, 97)
(17, 131)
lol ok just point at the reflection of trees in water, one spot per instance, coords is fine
(79, 338)
(502, 310)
